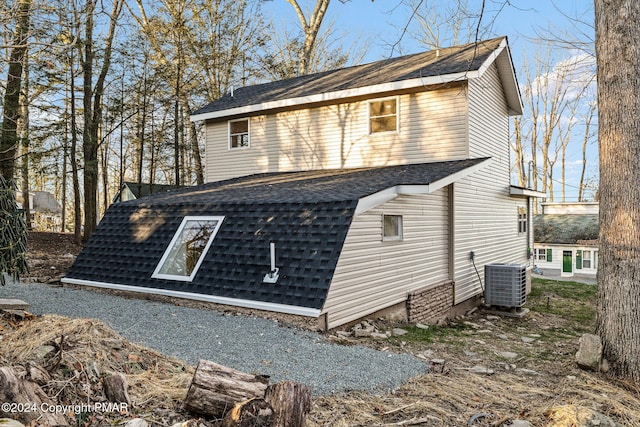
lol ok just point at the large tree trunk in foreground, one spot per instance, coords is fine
(618, 62)
(291, 402)
(29, 400)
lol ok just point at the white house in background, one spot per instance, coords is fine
(566, 238)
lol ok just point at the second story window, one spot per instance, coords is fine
(522, 219)
(239, 134)
(383, 115)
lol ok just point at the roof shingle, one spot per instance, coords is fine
(458, 59)
(307, 215)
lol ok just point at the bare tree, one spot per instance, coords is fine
(12, 226)
(618, 306)
(92, 103)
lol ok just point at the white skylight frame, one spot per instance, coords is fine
(178, 234)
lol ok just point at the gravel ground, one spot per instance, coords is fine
(249, 344)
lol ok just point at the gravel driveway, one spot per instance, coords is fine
(249, 344)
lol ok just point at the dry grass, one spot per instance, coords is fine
(453, 399)
(83, 350)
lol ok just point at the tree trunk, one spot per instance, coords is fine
(28, 395)
(24, 144)
(618, 62)
(215, 389)
(77, 199)
(291, 402)
(93, 110)
(11, 105)
(310, 28)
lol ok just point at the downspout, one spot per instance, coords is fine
(452, 239)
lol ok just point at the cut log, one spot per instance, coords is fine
(250, 413)
(215, 389)
(291, 402)
(115, 388)
(27, 401)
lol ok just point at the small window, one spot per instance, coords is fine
(383, 116)
(541, 255)
(522, 219)
(239, 133)
(586, 259)
(391, 227)
(186, 251)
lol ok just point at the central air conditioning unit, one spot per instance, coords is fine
(505, 285)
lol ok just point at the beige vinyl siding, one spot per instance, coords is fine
(433, 127)
(485, 214)
(373, 274)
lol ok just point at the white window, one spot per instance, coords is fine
(383, 115)
(586, 259)
(188, 247)
(522, 219)
(391, 227)
(541, 255)
(239, 133)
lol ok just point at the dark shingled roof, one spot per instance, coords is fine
(307, 215)
(565, 228)
(458, 59)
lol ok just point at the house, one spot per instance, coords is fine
(380, 188)
(566, 238)
(135, 190)
(45, 210)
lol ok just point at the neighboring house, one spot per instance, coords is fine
(135, 190)
(338, 195)
(566, 238)
(45, 210)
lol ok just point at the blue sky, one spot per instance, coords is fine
(524, 22)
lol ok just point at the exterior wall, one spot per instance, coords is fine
(373, 274)
(485, 214)
(432, 127)
(430, 304)
(555, 265)
(578, 208)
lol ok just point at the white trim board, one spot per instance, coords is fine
(376, 199)
(259, 305)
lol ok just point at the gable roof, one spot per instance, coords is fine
(388, 76)
(565, 228)
(306, 214)
(141, 189)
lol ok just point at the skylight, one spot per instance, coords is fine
(183, 256)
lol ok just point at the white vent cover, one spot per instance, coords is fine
(505, 285)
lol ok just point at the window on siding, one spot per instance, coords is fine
(383, 116)
(541, 255)
(183, 256)
(391, 227)
(586, 259)
(239, 133)
(522, 219)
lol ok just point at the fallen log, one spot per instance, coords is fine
(291, 402)
(26, 401)
(216, 389)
